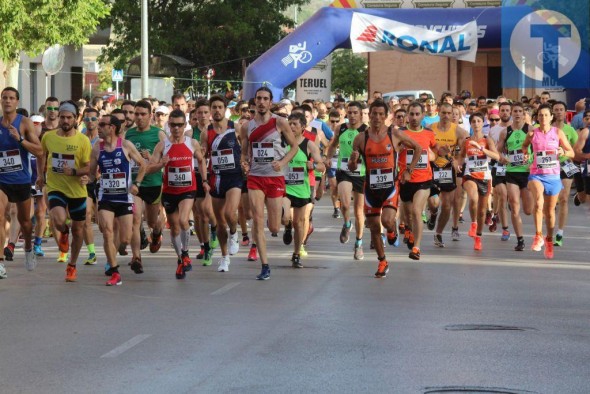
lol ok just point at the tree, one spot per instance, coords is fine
(218, 33)
(33, 26)
(349, 72)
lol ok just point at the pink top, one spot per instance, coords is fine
(545, 152)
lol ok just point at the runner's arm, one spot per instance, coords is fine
(245, 158)
(357, 146)
(136, 157)
(200, 158)
(333, 145)
(491, 150)
(565, 145)
(579, 155)
(317, 157)
(157, 161)
(31, 141)
(285, 129)
(410, 143)
(93, 163)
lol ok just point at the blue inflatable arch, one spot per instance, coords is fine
(329, 29)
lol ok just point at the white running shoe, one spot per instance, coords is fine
(223, 264)
(30, 260)
(3, 274)
(234, 243)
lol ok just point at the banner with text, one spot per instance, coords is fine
(370, 33)
(316, 83)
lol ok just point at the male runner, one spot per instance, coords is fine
(66, 158)
(91, 121)
(264, 159)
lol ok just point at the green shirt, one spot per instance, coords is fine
(345, 141)
(145, 140)
(514, 141)
(572, 136)
(297, 178)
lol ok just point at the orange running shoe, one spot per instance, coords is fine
(415, 254)
(537, 243)
(477, 244)
(64, 241)
(382, 269)
(71, 274)
(549, 248)
(156, 243)
(410, 243)
(472, 229)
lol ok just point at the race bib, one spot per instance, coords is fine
(334, 161)
(442, 175)
(381, 178)
(569, 168)
(344, 167)
(295, 176)
(223, 159)
(114, 183)
(179, 177)
(516, 158)
(263, 152)
(10, 161)
(547, 160)
(422, 163)
(500, 170)
(60, 161)
(478, 164)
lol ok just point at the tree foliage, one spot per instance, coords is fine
(349, 73)
(218, 33)
(33, 26)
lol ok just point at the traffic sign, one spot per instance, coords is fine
(117, 75)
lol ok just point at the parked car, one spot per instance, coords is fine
(411, 94)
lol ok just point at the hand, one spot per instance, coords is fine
(560, 151)
(526, 157)
(328, 162)
(84, 180)
(145, 154)
(475, 144)
(134, 189)
(444, 150)
(245, 166)
(503, 159)
(67, 170)
(14, 132)
(406, 176)
(354, 156)
(206, 187)
(164, 160)
(276, 165)
(40, 183)
(310, 165)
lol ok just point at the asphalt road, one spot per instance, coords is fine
(494, 320)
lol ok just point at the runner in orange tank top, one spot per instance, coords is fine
(379, 146)
(477, 181)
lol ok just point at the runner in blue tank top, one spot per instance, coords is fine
(17, 140)
(111, 157)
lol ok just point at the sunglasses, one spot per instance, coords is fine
(334, 120)
(52, 108)
(103, 124)
(252, 111)
(283, 115)
(176, 125)
(90, 119)
(400, 116)
(244, 109)
(494, 119)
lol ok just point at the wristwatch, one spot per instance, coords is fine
(21, 139)
(136, 183)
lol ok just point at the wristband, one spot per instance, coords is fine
(21, 139)
(73, 171)
(137, 183)
(205, 180)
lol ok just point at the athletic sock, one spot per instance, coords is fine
(38, 241)
(185, 236)
(359, 242)
(560, 232)
(177, 244)
(91, 249)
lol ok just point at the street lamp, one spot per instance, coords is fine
(144, 49)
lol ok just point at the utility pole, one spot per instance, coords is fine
(144, 49)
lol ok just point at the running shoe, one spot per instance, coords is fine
(415, 254)
(186, 261)
(91, 260)
(191, 224)
(223, 264)
(488, 220)
(577, 201)
(64, 241)
(288, 234)
(108, 270)
(438, 241)
(264, 273)
(336, 214)
(214, 240)
(9, 252)
(392, 238)
(424, 217)
(358, 252)
(548, 248)
(302, 251)
(537, 243)
(477, 243)
(71, 274)
(558, 240)
(461, 220)
(432, 221)
(274, 235)
(296, 261)
(122, 249)
(345, 233)
(38, 250)
(30, 260)
(253, 255)
(234, 243)
(156, 243)
(144, 239)
(410, 243)
(505, 235)
(115, 280)
(406, 233)
(62, 258)
(201, 253)
(455, 236)
(245, 240)
(47, 233)
(472, 230)
(180, 274)
(3, 274)
(519, 246)
(494, 226)
(207, 258)
(382, 269)
(136, 266)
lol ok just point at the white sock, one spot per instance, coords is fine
(560, 232)
(177, 244)
(184, 238)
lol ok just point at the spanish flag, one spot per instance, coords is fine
(344, 4)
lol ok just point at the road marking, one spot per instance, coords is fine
(225, 288)
(126, 346)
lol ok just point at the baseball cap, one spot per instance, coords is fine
(163, 110)
(37, 119)
(231, 104)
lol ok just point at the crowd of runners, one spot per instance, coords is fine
(206, 168)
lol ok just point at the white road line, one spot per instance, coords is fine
(126, 346)
(225, 288)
